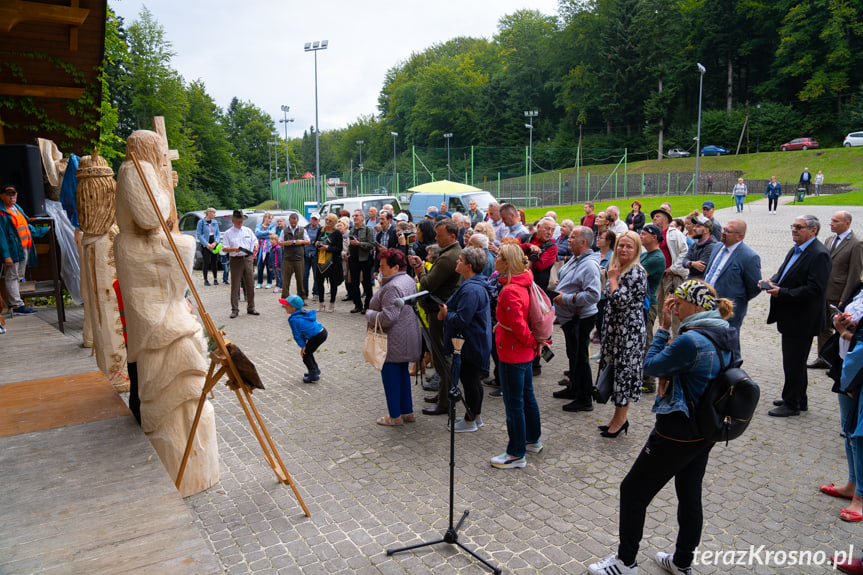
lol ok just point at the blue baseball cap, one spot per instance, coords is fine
(294, 301)
(708, 204)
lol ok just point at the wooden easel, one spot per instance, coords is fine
(226, 367)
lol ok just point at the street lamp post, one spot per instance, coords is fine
(758, 131)
(448, 135)
(360, 144)
(270, 165)
(701, 71)
(286, 109)
(314, 47)
(395, 171)
(531, 114)
(274, 145)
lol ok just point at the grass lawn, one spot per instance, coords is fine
(840, 165)
(680, 206)
(847, 199)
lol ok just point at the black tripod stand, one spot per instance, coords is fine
(451, 534)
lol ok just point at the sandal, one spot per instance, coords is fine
(832, 491)
(387, 420)
(850, 516)
(408, 417)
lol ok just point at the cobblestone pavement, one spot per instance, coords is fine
(370, 487)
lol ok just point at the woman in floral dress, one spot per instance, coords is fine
(623, 329)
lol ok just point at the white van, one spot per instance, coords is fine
(359, 203)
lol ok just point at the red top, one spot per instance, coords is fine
(546, 259)
(664, 247)
(516, 344)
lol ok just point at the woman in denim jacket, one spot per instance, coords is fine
(673, 449)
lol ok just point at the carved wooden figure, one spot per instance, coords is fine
(165, 340)
(96, 196)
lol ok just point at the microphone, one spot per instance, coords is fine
(400, 302)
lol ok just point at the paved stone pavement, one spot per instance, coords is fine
(370, 487)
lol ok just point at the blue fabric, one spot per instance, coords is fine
(563, 248)
(489, 264)
(850, 420)
(773, 190)
(397, 388)
(738, 201)
(691, 360)
(469, 314)
(69, 188)
(206, 229)
(304, 324)
(522, 412)
(579, 287)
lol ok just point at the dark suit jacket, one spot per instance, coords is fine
(738, 280)
(800, 307)
(847, 267)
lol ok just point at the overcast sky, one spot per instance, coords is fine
(253, 49)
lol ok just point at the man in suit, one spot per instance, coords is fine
(846, 252)
(797, 306)
(734, 270)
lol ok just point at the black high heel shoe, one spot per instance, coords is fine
(624, 428)
(602, 427)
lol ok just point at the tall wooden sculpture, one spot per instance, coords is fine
(96, 209)
(165, 340)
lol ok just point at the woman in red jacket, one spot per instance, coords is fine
(516, 348)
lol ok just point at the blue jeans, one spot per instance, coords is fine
(738, 201)
(225, 267)
(307, 269)
(265, 260)
(397, 388)
(522, 411)
(848, 415)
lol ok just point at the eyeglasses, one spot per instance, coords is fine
(729, 231)
(798, 227)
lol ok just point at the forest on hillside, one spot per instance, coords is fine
(602, 74)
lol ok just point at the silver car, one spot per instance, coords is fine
(677, 153)
(853, 139)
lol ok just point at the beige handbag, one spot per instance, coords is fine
(375, 347)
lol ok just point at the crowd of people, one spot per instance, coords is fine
(610, 279)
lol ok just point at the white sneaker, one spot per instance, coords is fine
(611, 565)
(505, 461)
(268, 286)
(477, 421)
(535, 447)
(257, 286)
(666, 561)
(462, 426)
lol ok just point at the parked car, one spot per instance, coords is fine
(189, 225)
(256, 216)
(799, 144)
(714, 151)
(677, 153)
(853, 139)
(359, 203)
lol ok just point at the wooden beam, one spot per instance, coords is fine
(73, 31)
(13, 12)
(62, 92)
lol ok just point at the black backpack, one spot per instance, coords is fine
(728, 403)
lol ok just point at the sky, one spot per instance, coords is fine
(253, 49)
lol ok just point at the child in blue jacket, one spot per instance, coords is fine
(308, 333)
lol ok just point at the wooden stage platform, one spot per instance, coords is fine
(83, 490)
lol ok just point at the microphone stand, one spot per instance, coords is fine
(451, 534)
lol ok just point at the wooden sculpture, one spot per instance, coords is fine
(96, 196)
(165, 340)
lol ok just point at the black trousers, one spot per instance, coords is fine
(442, 362)
(312, 345)
(209, 262)
(576, 332)
(360, 270)
(660, 460)
(470, 381)
(795, 351)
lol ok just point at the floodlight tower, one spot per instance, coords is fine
(360, 144)
(448, 137)
(286, 109)
(531, 114)
(701, 71)
(314, 47)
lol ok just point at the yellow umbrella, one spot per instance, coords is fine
(444, 187)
